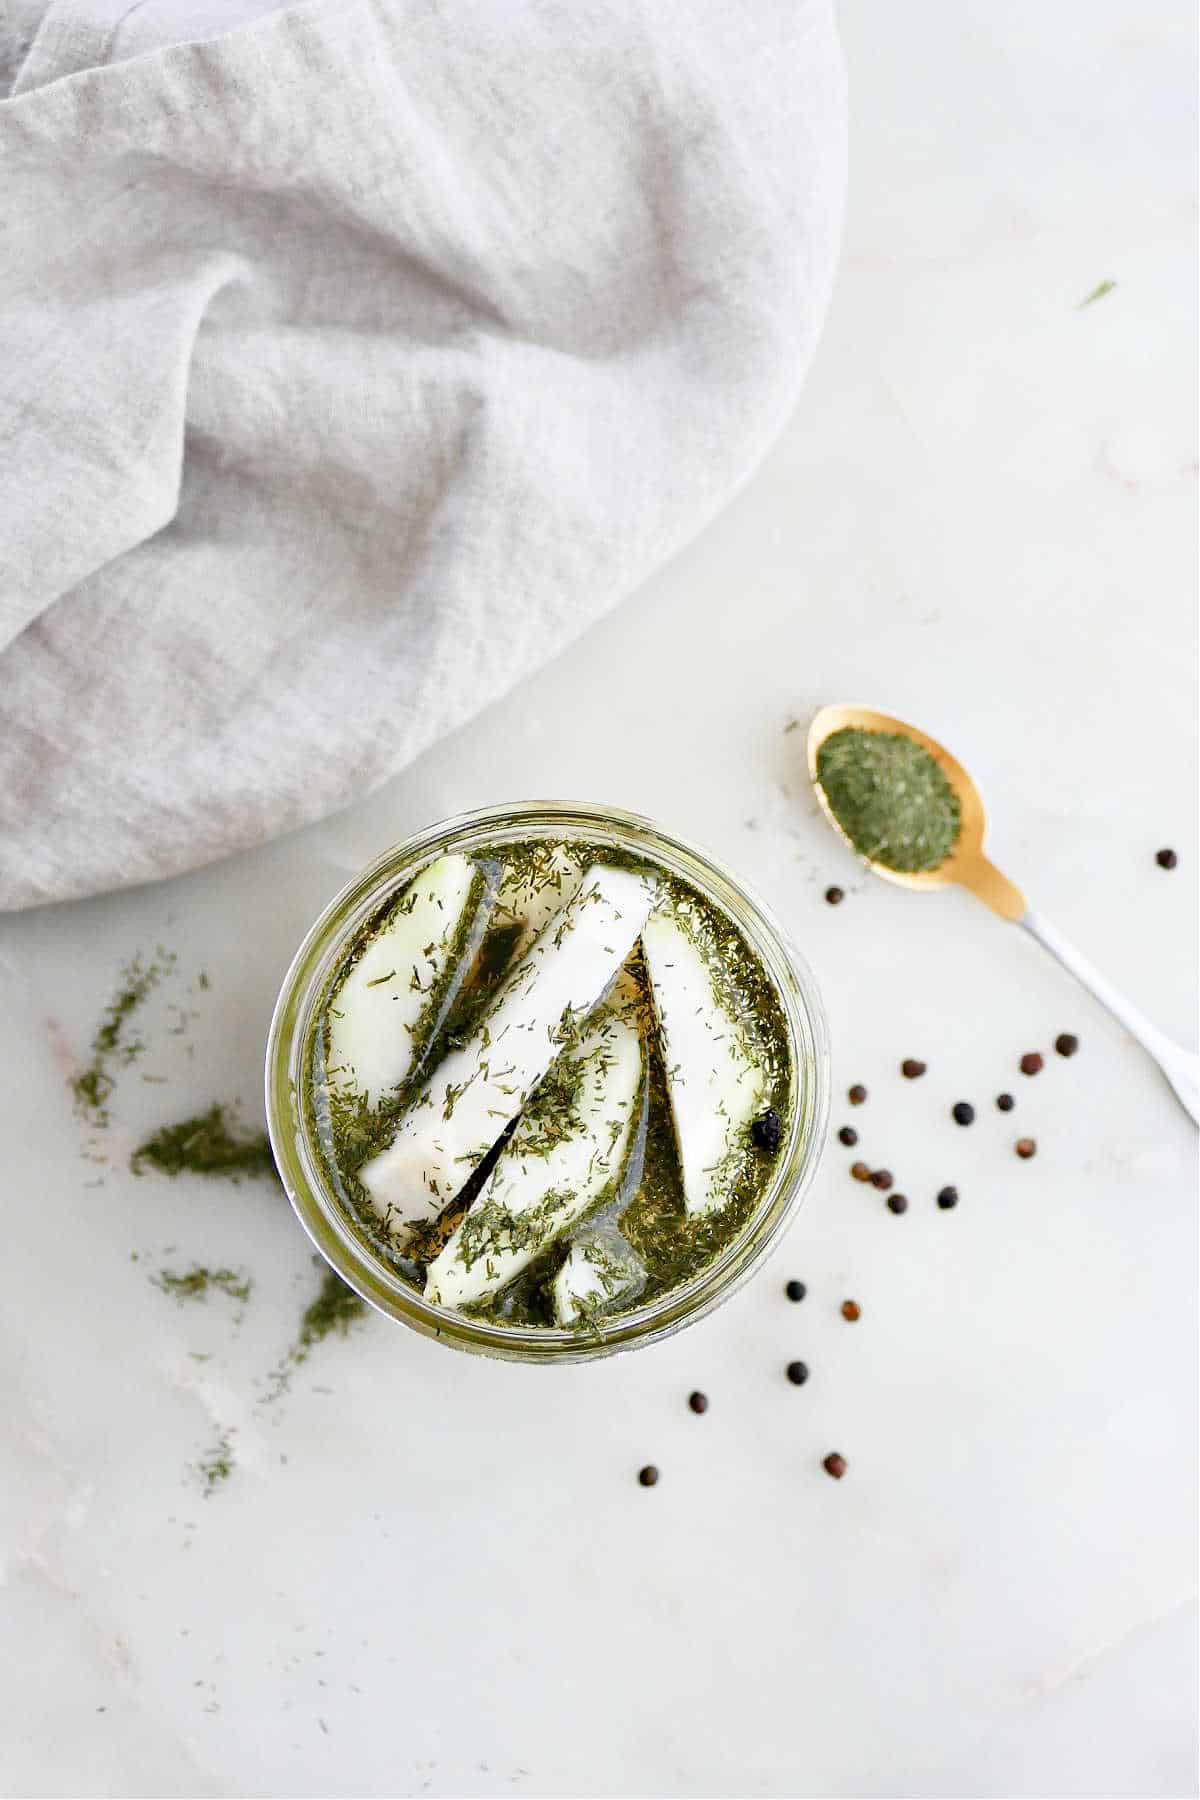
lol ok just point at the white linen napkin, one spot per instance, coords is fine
(353, 357)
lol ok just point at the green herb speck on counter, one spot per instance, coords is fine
(335, 1309)
(208, 1144)
(217, 1465)
(111, 1047)
(332, 1313)
(199, 1282)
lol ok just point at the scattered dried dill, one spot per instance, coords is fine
(197, 1283)
(112, 1048)
(217, 1465)
(1097, 293)
(336, 1308)
(205, 1145)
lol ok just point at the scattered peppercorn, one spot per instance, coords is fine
(848, 1136)
(947, 1198)
(766, 1133)
(797, 1373)
(1166, 859)
(795, 1290)
(1005, 1102)
(698, 1402)
(648, 1476)
(897, 1203)
(1066, 1043)
(911, 1069)
(857, 1094)
(835, 1465)
(834, 895)
(882, 1179)
(860, 1171)
(851, 1310)
(1032, 1063)
(963, 1112)
(1026, 1147)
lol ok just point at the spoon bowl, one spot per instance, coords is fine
(966, 866)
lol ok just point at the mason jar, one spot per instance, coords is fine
(330, 1223)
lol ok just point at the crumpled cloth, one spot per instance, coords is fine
(353, 358)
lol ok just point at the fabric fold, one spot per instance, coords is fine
(352, 360)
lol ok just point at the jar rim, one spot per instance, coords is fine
(317, 1208)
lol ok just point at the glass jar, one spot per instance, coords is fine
(331, 1226)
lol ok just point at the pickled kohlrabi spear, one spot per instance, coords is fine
(477, 1090)
(377, 1016)
(598, 1270)
(567, 1150)
(534, 890)
(713, 1080)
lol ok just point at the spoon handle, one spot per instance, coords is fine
(1181, 1067)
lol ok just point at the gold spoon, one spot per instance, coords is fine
(967, 866)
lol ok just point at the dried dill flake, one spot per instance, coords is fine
(335, 1308)
(1099, 292)
(205, 1145)
(112, 1047)
(217, 1465)
(890, 797)
(198, 1282)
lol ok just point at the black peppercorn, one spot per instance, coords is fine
(1005, 1102)
(963, 1112)
(795, 1290)
(848, 1136)
(766, 1133)
(1166, 859)
(698, 1402)
(1026, 1147)
(860, 1171)
(835, 1465)
(882, 1179)
(897, 1203)
(911, 1069)
(834, 895)
(648, 1476)
(857, 1094)
(947, 1198)
(797, 1373)
(1032, 1063)
(1066, 1043)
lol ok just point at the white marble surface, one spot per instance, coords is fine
(432, 1575)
